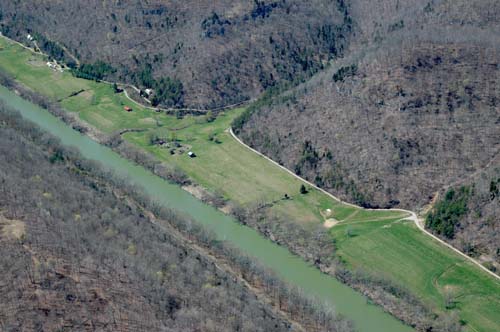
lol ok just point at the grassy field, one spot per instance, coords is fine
(378, 241)
(398, 250)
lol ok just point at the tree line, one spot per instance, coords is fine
(82, 220)
(315, 247)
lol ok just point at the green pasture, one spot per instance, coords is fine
(379, 242)
(398, 250)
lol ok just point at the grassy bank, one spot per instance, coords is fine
(397, 249)
(376, 241)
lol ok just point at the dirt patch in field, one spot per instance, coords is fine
(329, 223)
(87, 95)
(36, 62)
(148, 121)
(12, 229)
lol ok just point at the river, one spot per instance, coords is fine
(346, 301)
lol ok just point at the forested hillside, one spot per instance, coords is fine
(467, 215)
(385, 103)
(413, 107)
(80, 253)
(410, 107)
(194, 53)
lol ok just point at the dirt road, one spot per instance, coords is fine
(413, 216)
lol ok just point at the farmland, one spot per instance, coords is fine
(379, 242)
(397, 249)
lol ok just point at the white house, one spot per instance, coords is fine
(55, 66)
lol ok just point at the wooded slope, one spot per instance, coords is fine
(80, 253)
(221, 51)
(413, 107)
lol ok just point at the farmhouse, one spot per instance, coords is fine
(127, 109)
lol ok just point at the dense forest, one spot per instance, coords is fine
(387, 103)
(383, 73)
(466, 214)
(315, 247)
(194, 53)
(82, 250)
(411, 109)
(404, 113)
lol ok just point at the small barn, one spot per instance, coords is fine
(191, 154)
(127, 109)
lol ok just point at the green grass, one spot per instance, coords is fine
(32, 70)
(103, 109)
(236, 172)
(397, 250)
(377, 241)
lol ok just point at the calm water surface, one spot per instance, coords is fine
(366, 317)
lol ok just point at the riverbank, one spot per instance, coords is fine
(290, 268)
(151, 266)
(250, 181)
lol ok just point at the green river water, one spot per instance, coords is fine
(346, 301)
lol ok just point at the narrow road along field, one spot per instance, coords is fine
(390, 244)
(412, 215)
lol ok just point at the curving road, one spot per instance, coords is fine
(133, 86)
(413, 216)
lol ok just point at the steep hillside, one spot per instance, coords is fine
(466, 214)
(412, 107)
(79, 253)
(209, 53)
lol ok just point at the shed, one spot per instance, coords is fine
(191, 154)
(128, 109)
